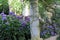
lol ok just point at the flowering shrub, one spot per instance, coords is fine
(48, 30)
(13, 27)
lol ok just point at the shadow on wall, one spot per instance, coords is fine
(4, 6)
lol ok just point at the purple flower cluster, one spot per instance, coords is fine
(12, 13)
(48, 30)
(53, 33)
(13, 24)
(27, 19)
(3, 16)
(50, 26)
(20, 17)
(16, 18)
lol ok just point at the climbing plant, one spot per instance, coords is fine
(49, 29)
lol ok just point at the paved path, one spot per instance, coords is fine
(52, 38)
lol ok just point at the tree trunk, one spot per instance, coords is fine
(34, 21)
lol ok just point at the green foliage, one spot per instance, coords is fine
(0, 5)
(4, 6)
(55, 18)
(13, 28)
(17, 6)
(41, 10)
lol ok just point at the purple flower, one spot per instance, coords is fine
(51, 27)
(19, 17)
(41, 33)
(53, 33)
(12, 13)
(4, 18)
(24, 23)
(27, 19)
(45, 31)
(2, 13)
